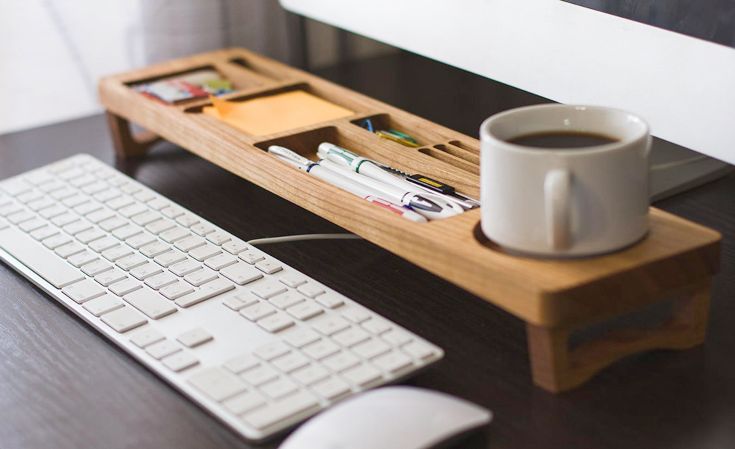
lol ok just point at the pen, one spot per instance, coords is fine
(336, 179)
(372, 170)
(420, 203)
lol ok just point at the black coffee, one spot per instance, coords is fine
(562, 139)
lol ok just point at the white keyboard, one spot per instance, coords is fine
(250, 339)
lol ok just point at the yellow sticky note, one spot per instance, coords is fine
(275, 113)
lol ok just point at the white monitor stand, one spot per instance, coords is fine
(683, 86)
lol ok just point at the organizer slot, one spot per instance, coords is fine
(249, 94)
(459, 152)
(422, 134)
(240, 78)
(306, 143)
(450, 159)
(254, 66)
(464, 146)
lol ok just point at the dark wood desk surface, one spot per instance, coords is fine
(63, 386)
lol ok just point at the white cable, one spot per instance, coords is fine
(300, 237)
(674, 164)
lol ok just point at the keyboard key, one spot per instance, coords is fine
(289, 407)
(185, 267)
(279, 388)
(150, 303)
(163, 348)
(126, 232)
(154, 249)
(146, 337)
(204, 252)
(251, 256)
(235, 246)
(332, 388)
(206, 291)
(125, 286)
(160, 226)
(377, 325)
(158, 203)
(220, 261)
(276, 323)
(244, 402)
(145, 271)
(103, 244)
(132, 210)
(169, 258)
(371, 348)
(90, 235)
(187, 220)
(330, 300)
(176, 290)
(117, 252)
(174, 235)
(21, 216)
(194, 337)
(108, 277)
(69, 250)
(286, 300)
(268, 289)
(397, 337)
(311, 374)
(172, 211)
(113, 223)
(293, 279)
(241, 363)
(65, 219)
(418, 350)
(241, 273)
(350, 337)
(362, 376)
(83, 291)
(237, 302)
(301, 337)
(311, 290)
(129, 262)
(340, 361)
(102, 304)
(330, 325)
(320, 349)
(82, 258)
(257, 311)
(96, 267)
(200, 277)
(272, 350)
(100, 216)
(269, 266)
(218, 237)
(123, 319)
(54, 270)
(305, 311)
(56, 241)
(290, 362)
(393, 362)
(146, 217)
(356, 315)
(189, 243)
(120, 202)
(202, 229)
(43, 233)
(139, 240)
(217, 383)
(259, 375)
(180, 361)
(77, 227)
(160, 280)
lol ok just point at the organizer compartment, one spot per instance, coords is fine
(441, 152)
(423, 135)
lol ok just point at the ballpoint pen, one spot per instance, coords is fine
(374, 171)
(338, 180)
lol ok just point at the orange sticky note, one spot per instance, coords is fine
(275, 113)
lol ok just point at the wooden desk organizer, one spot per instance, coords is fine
(676, 261)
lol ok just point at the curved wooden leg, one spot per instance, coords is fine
(126, 143)
(557, 368)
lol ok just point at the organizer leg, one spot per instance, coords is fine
(556, 368)
(126, 143)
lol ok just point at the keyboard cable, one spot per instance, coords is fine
(303, 237)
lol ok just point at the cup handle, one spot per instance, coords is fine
(557, 190)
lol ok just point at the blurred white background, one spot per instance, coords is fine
(54, 51)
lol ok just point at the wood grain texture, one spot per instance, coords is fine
(542, 292)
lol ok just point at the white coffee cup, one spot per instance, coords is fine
(564, 202)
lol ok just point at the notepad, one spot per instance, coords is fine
(275, 113)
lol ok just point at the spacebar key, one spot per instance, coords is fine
(43, 262)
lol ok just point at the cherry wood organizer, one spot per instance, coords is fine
(555, 298)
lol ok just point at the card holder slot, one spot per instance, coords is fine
(454, 150)
(454, 161)
(253, 65)
(468, 148)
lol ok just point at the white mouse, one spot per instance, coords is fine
(390, 418)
